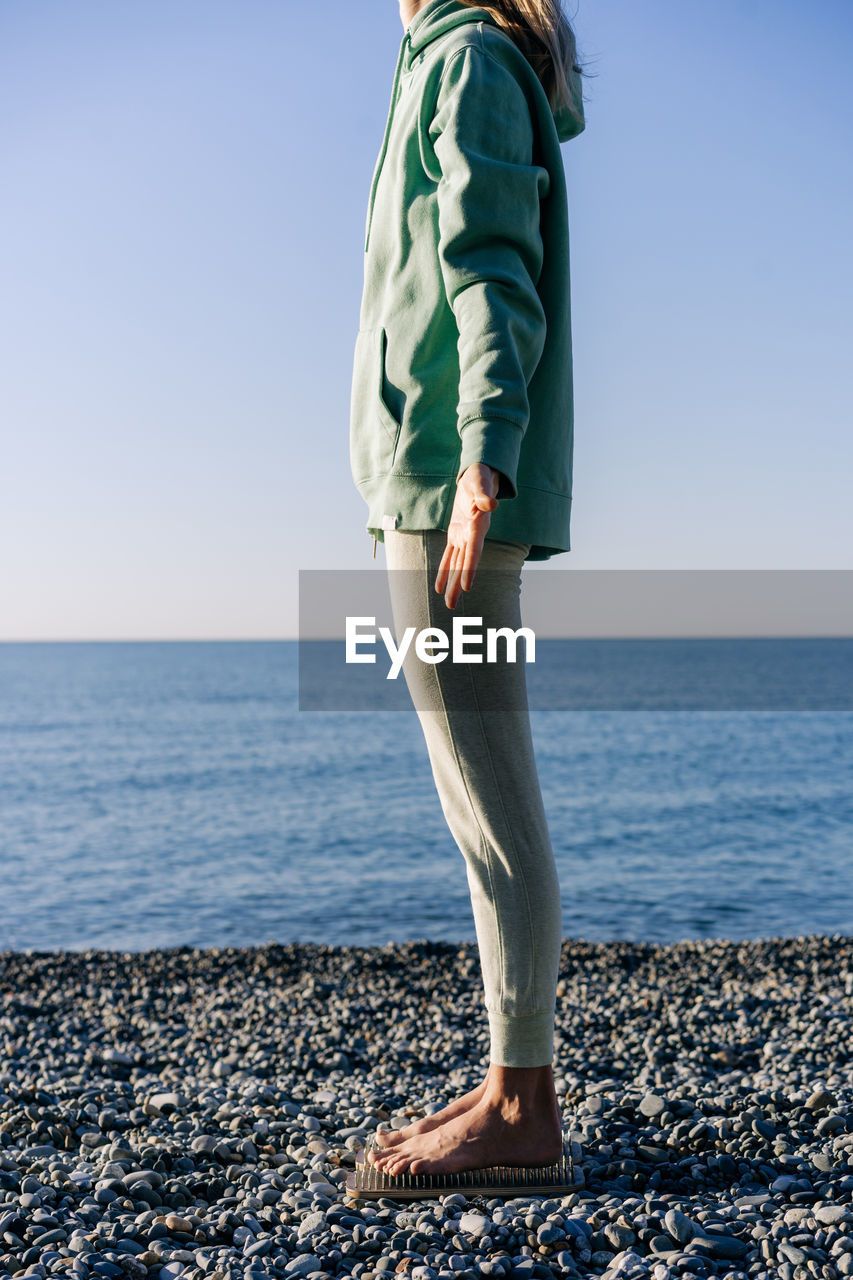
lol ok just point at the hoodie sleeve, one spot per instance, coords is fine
(490, 252)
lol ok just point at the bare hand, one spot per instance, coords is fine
(469, 522)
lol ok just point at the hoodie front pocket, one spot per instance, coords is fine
(373, 428)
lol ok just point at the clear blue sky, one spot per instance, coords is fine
(185, 185)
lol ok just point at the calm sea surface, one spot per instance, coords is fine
(168, 794)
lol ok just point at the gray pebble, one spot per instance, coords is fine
(652, 1105)
(829, 1215)
(679, 1226)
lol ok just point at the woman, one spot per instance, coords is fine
(461, 445)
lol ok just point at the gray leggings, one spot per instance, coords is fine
(477, 727)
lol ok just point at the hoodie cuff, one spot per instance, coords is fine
(497, 443)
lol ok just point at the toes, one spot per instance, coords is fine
(386, 1143)
(392, 1138)
(395, 1159)
(386, 1161)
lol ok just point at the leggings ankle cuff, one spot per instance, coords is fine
(525, 1041)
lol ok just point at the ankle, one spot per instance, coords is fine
(521, 1082)
(521, 1092)
(525, 1118)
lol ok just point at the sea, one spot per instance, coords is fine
(176, 793)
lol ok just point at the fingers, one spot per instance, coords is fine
(455, 582)
(445, 577)
(444, 565)
(457, 569)
(470, 560)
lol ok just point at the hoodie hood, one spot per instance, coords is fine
(437, 17)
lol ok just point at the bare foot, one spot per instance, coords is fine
(389, 1138)
(393, 1138)
(491, 1132)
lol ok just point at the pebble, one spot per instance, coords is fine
(652, 1105)
(474, 1224)
(829, 1215)
(679, 1226)
(193, 1114)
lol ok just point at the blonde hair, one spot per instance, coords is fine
(543, 33)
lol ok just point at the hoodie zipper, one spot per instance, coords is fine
(379, 163)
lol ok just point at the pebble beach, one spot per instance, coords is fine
(195, 1112)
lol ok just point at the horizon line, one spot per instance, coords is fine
(290, 639)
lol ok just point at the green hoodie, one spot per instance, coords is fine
(463, 353)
